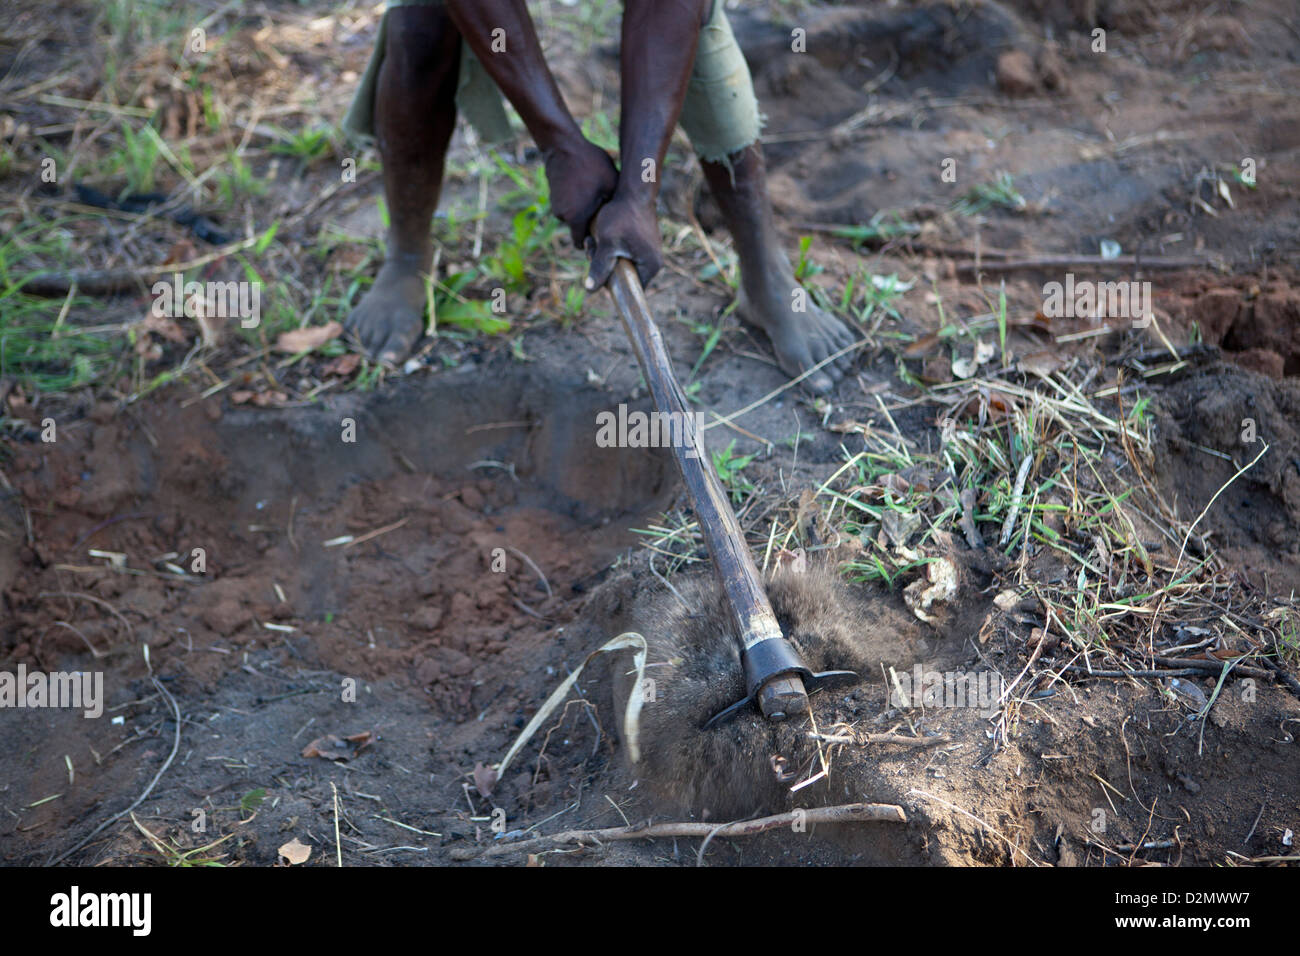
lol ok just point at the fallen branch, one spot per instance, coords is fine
(1180, 672)
(114, 281)
(1282, 674)
(1093, 262)
(844, 813)
(899, 740)
(1214, 666)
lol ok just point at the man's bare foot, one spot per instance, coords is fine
(800, 339)
(389, 319)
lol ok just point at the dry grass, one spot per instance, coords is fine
(1045, 481)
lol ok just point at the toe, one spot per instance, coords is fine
(842, 337)
(365, 331)
(819, 383)
(823, 347)
(395, 348)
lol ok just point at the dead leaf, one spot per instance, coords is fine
(967, 367)
(999, 405)
(796, 561)
(295, 852)
(1227, 196)
(182, 250)
(847, 428)
(938, 586)
(308, 338)
(362, 740)
(148, 349)
(342, 366)
(1043, 362)
(900, 525)
(936, 370)
(331, 747)
(1038, 636)
(1040, 322)
(1006, 600)
(164, 326)
(348, 258)
(485, 778)
(896, 483)
(922, 346)
(964, 367)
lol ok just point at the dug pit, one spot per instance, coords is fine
(424, 543)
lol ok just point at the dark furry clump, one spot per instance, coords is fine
(735, 769)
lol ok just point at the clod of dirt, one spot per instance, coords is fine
(1016, 75)
(1052, 69)
(746, 765)
(1232, 413)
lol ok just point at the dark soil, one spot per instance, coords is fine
(448, 666)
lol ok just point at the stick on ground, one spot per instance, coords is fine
(844, 813)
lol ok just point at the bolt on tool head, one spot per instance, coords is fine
(778, 681)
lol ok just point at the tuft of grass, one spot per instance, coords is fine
(238, 181)
(729, 467)
(471, 315)
(308, 145)
(805, 268)
(884, 226)
(532, 244)
(39, 348)
(173, 855)
(999, 194)
(139, 157)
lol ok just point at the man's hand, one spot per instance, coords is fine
(582, 178)
(625, 227)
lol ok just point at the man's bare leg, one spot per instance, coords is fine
(767, 283)
(415, 114)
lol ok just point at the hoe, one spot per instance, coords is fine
(776, 678)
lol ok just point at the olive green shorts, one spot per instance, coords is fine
(719, 114)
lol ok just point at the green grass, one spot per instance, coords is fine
(172, 854)
(880, 294)
(531, 246)
(999, 194)
(883, 227)
(455, 309)
(139, 158)
(804, 267)
(712, 334)
(308, 145)
(39, 349)
(730, 466)
(34, 355)
(237, 181)
(599, 128)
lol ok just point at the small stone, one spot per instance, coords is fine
(1016, 75)
(427, 617)
(472, 497)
